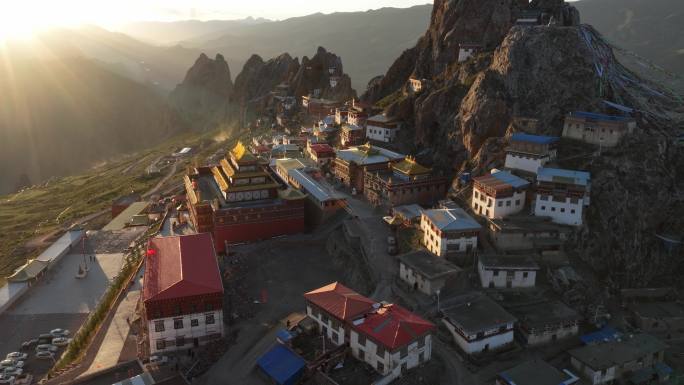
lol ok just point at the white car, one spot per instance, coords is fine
(13, 371)
(159, 360)
(9, 380)
(59, 332)
(10, 363)
(46, 348)
(17, 356)
(61, 341)
(44, 355)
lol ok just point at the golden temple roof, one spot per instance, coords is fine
(241, 154)
(409, 166)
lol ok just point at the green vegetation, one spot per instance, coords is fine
(38, 211)
(408, 239)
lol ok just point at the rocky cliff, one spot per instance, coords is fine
(258, 78)
(202, 97)
(465, 110)
(324, 76)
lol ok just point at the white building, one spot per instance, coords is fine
(426, 272)
(382, 128)
(545, 322)
(467, 50)
(477, 323)
(449, 231)
(415, 85)
(562, 195)
(182, 293)
(528, 153)
(498, 194)
(392, 340)
(507, 271)
(613, 361)
(599, 129)
(334, 307)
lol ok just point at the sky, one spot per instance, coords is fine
(20, 18)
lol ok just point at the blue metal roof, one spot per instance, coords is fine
(452, 219)
(597, 116)
(606, 334)
(284, 335)
(507, 177)
(539, 139)
(581, 178)
(284, 366)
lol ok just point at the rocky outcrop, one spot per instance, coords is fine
(323, 75)
(258, 77)
(465, 111)
(202, 97)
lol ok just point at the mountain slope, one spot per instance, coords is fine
(368, 41)
(175, 32)
(461, 118)
(62, 115)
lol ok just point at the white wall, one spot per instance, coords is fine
(188, 332)
(336, 335)
(565, 213)
(465, 54)
(408, 275)
(525, 163)
(500, 280)
(511, 205)
(381, 134)
(391, 361)
(438, 245)
(546, 336)
(495, 341)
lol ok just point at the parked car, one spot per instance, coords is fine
(17, 356)
(159, 360)
(44, 355)
(46, 348)
(5, 379)
(29, 343)
(59, 332)
(45, 339)
(11, 362)
(13, 371)
(61, 341)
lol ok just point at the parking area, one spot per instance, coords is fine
(60, 300)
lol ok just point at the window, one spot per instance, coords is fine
(209, 319)
(161, 344)
(562, 209)
(381, 351)
(178, 323)
(158, 326)
(381, 367)
(572, 211)
(517, 202)
(404, 352)
(194, 322)
(421, 342)
(508, 203)
(525, 274)
(362, 340)
(500, 204)
(180, 341)
(553, 209)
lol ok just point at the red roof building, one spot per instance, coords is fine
(339, 301)
(182, 289)
(393, 327)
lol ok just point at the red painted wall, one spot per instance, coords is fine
(246, 232)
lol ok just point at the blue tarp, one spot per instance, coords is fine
(539, 139)
(284, 335)
(284, 366)
(606, 334)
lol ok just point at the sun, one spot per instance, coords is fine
(16, 30)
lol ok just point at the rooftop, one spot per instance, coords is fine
(408, 211)
(597, 116)
(499, 180)
(241, 154)
(321, 148)
(527, 224)
(281, 364)
(609, 354)
(538, 139)
(475, 312)
(428, 264)
(368, 154)
(340, 301)
(559, 175)
(544, 313)
(535, 372)
(452, 219)
(311, 186)
(181, 266)
(409, 166)
(123, 219)
(289, 164)
(393, 326)
(514, 262)
(351, 127)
